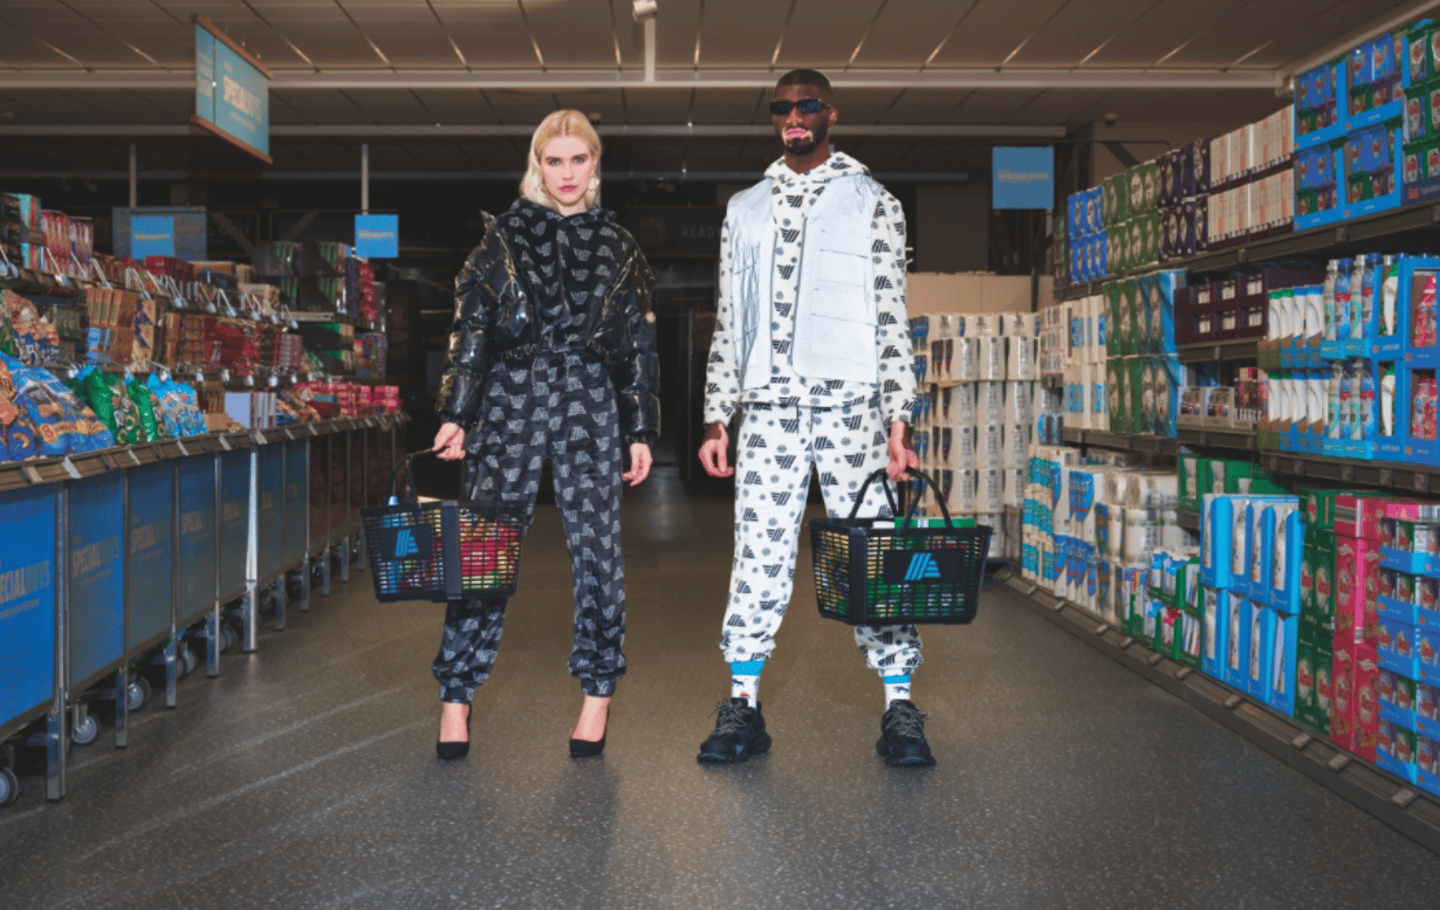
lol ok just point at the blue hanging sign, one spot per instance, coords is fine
(1022, 178)
(232, 91)
(152, 235)
(377, 236)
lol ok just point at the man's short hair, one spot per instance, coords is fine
(806, 77)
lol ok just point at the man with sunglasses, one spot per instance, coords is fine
(812, 352)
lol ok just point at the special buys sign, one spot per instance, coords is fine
(232, 91)
(1022, 178)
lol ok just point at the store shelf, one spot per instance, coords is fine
(1124, 442)
(1216, 438)
(1221, 351)
(1052, 382)
(1400, 805)
(1188, 520)
(1404, 478)
(1331, 237)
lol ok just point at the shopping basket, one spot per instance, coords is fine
(442, 550)
(869, 572)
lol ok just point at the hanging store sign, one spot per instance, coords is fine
(232, 91)
(377, 236)
(178, 229)
(152, 235)
(677, 230)
(1022, 178)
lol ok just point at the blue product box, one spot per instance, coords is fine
(1319, 107)
(1239, 626)
(1374, 165)
(1280, 636)
(1395, 750)
(1217, 537)
(1397, 648)
(1377, 81)
(1322, 203)
(1286, 554)
(1407, 394)
(1398, 698)
(1413, 276)
(1215, 603)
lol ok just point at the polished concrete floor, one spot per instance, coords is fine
(304, 776)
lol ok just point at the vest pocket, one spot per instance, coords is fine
(842, 280)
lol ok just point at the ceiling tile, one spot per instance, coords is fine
(993, 29)
(823, 35)
(1077, 30)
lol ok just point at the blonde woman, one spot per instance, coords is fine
(552, 355)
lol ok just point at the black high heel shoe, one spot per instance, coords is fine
(584, 748)
(453, 750)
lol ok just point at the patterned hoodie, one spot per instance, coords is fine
(793, 196)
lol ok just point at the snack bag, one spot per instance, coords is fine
(187, 408)
(108, 398)
(56, 412)
(150, 428)
(165, 403)
(17, 432)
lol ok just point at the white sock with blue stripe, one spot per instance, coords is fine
(745, 680)
(896, 687)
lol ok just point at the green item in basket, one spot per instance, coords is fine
(956, 521)
(145, 407)
(112, 404)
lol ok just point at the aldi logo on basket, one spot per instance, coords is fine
(407, 543)
(924, 566)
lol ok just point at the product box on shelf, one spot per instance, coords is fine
(1378, 72)
(1277, 660)
(1398, 696)
(1354, 709)
(1396, 749)
(1313, 687)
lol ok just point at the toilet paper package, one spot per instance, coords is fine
(1017, 402)
(989, 443)
(945, 325)
(1014, 479)
(989, 403)
(962, 492)
(1022, 358)
(961, 453)
(964, 364)
(990, 363)
(990, 490)
(1016, 450)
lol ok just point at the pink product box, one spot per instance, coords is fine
(1355, 710)
(1357, 587)
(1397, 649)
(1359, 517)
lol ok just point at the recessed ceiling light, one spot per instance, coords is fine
(7, 115)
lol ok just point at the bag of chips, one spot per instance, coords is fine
(111, 403)
(150, 428)
(17, 431)
(60, 419)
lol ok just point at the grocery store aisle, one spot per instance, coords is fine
(305, 776)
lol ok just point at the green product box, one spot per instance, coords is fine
(1135, 370)
(1130, 316)
(1313, 685)
(1150, 179)
(1169, 631)
(1321, 613)
(1135, 242)
(1194, 478)
(1135, 190)
(1115, 398)
(1192, 639)
(1317, 507)
(1149, 252)
(1111, 290)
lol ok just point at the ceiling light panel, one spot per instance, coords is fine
(1223, 40)
(992, 31)
(738, 34)
(1167, 26)
(1075, 31)
(491, 35)
(823, 34)
(907, 32)
(577, 35)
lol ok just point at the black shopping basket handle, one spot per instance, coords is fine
(884, 478)
(404, 465)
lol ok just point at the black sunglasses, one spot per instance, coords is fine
(806, 105)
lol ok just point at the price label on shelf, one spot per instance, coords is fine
(224, 375)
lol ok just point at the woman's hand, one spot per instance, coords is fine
(640, 462)
(713, 451)
(902, 457)
(450, 442)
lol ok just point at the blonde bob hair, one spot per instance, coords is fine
(557, 125)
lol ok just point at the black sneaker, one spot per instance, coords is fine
(902, 735)
(739, 733)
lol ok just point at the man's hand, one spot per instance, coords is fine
(902, 457)
(640, 462)
(450, 442)
(713, 449)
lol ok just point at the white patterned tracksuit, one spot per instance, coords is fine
(794, 421)
(561, 406)
(776, 447)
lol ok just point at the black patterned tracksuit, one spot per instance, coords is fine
(565, 364)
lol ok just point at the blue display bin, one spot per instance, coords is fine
(196, 539)
(234, 522)
(95, 564)
(296, 508)
(270, 493)
(149, 536)
(320, 492)
(28, 604)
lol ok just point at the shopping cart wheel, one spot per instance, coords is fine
(138, 694)
(227, 637)
(188, 660)
(86, 731)
(9, 787)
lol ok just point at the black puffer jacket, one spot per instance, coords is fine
(540, 282)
